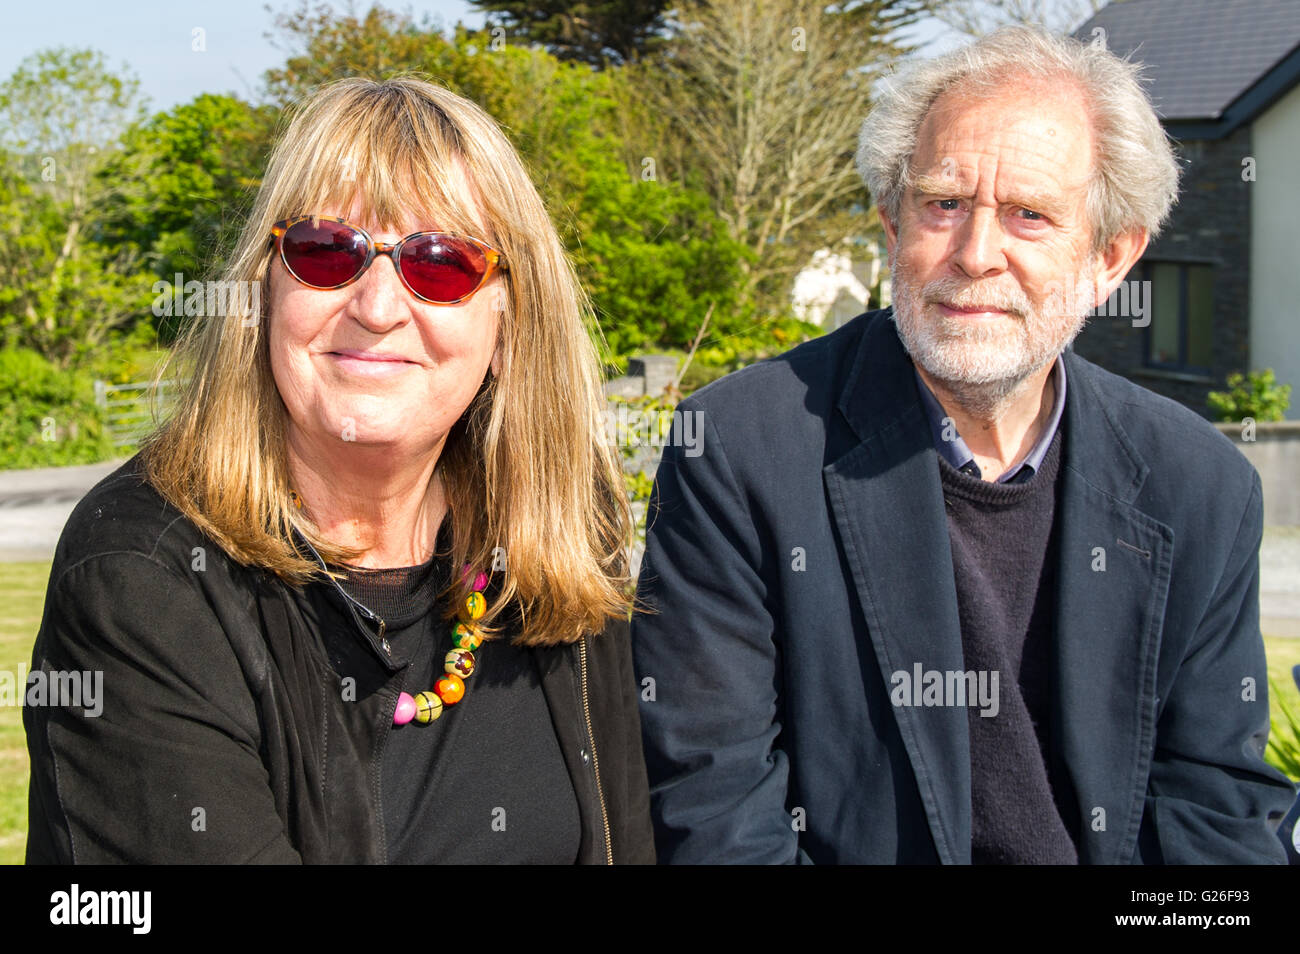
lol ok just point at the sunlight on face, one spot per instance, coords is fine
(993, 270)
(370, 365)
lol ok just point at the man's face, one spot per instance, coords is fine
(992, 260)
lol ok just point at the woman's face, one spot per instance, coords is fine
(372, 366)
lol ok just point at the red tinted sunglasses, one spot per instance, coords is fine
(441, 268)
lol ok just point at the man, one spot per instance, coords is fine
(933, 588)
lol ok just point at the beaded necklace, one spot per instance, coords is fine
(458, 665)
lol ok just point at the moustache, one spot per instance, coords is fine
(958, 294)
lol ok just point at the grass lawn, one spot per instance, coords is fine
(22, 596)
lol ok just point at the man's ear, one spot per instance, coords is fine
(1115, 261)
(891, 234)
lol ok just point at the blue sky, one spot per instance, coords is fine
(154, 37)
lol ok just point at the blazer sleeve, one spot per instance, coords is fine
(707, 639)
(1210, 794)
(162, 767)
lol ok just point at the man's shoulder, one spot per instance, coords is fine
(1174, 440)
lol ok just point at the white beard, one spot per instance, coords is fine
(985, 363)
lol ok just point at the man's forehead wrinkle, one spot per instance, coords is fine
(1010, 149)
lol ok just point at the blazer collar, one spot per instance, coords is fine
(884, 495)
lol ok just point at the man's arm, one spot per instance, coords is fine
(1209, 793)
(168, 770)
(709, 642)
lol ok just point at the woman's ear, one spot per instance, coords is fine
(496, 362)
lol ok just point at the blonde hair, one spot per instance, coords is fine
(527, 468)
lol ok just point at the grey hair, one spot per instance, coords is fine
(1134, 181)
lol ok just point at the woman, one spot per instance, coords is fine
(364, 596)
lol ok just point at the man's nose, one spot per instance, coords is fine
(980, 244)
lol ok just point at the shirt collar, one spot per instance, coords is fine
(953, 449)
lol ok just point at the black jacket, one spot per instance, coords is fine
(798, 557)
(224, 735)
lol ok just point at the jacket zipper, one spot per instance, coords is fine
(383, 642)
(595, 760)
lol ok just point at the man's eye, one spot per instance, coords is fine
(1031, 215)
(949, 205)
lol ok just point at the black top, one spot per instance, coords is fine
(486, 782)
(1004, 559)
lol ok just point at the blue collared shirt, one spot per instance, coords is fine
(955, 451)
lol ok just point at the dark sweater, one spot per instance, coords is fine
(1004, 558)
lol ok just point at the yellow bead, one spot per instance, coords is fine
(475, 606)
(427, 707)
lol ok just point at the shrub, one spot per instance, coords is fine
(1257, 396)
(50, 418)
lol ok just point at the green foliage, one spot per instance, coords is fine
(594, 33)
(50, 417)
(187, 177)
(752, 342)
(62, 113)
(1283, 750)
(1257, 396)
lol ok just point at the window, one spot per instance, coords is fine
(1180, 336)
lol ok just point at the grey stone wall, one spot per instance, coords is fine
(1275, 452)
(1210, 225)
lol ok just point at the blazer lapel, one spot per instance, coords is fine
(887, 504)
(1113, 580)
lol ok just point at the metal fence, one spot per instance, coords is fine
(127, 411)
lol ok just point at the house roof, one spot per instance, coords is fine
(1204, 56)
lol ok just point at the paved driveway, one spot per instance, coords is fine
(35, 504)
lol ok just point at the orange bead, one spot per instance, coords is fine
(450, 689)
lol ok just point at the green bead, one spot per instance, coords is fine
(466, 636)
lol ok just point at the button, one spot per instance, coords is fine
(586, 759)
(384, 643)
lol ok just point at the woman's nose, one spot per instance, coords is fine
(379, 300)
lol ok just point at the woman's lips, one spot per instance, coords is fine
(371, 363)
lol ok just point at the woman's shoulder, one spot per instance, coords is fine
(124, 518)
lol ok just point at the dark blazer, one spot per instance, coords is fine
(221, 689)
(801, 556)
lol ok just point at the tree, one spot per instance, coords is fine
(617, 31)
(759, 102)
(978, 17)
(186, 177)
(62, 114)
